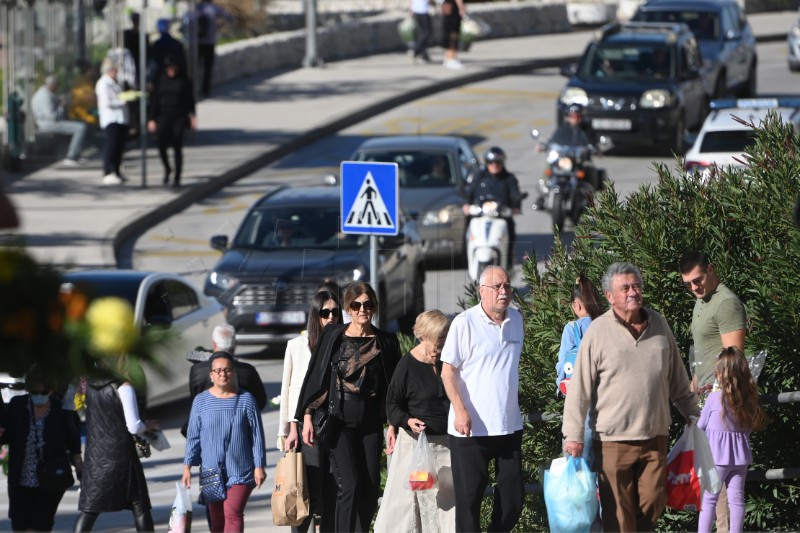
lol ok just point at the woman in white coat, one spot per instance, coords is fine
(113, 114)
(324, 310)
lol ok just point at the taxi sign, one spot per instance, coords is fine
(369, 198)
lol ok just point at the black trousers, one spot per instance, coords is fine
(207, 55)
(32, 509)
(470, 458)
(356, 464)
(142, 519)
(170, 134)
(423, 34)
(115, 137)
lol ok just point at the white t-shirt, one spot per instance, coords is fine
(486, 354)
(419, 6)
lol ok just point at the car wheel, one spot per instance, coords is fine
(417, 306)
(750, 88)
(794, 67)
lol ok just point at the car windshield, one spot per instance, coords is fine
(417, 169)
(704, 24)
(727, 141)
(311, 227)
(621, 62)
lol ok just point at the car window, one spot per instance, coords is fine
(181, 298)
(729, 20)
(704, 24)
(307, 227)
(156, 305)
(690, 53)
(612, 61)
(418, 169)
(727, 141)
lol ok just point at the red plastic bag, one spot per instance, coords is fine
(683, 483)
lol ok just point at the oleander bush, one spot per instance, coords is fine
(743, 219)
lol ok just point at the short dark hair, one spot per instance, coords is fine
(692, 259)
(221, 355)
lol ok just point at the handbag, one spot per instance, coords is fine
(55, 474)
(290, 501)
(214, 481)
(325, 420)
(142, 447)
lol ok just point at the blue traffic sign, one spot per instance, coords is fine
(369, 199)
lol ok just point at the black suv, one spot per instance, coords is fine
(725, 37)
(639, 83)
(288, 244)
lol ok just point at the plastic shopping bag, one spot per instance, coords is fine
(180, 520)
(570, 494)
(290, 504)
(690, 470)
(421, 473)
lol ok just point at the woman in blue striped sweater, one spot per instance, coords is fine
(232, 434)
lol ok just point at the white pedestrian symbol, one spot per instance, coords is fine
(369, 210)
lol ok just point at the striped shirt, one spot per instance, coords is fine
(212, 421)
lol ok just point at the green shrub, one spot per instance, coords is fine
(743, 219)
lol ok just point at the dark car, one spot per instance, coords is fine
(639, 83)
(726, 40)
(433, 170)
(288, 244)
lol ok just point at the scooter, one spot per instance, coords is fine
(571, 179)
(487, 236)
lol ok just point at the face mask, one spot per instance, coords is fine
(40, 399)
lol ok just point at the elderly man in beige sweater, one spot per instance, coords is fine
(628, 369)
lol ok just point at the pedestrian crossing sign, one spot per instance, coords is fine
(369, 198)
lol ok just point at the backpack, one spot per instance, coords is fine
(570, 358)
(204, 26)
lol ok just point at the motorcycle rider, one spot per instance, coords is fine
(496, 183)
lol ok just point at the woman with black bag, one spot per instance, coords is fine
(44, 444)
(343, 404)
(225, 438)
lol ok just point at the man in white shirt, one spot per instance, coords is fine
(48, 113)
(481, 378)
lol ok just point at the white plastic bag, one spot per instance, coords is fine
(704, 461)
(570, 494)
(157, 440)
(690, 463)
(180, 520)
(421, 473)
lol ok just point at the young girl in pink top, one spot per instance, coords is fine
(729, 416)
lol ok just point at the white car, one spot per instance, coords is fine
(793, 40)
(723, 139)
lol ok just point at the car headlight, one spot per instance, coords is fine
(565, 164)
(444, 215)
(223, 281)
(574, 95)
(655, 99)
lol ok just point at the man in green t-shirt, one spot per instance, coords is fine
(718, 321)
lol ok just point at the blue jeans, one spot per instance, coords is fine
(70, 127)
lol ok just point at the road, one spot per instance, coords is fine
(501, 112)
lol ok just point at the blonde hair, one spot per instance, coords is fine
(431, 325)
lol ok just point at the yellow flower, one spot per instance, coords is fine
(80, 401)
(111, 324)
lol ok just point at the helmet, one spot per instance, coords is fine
(495, 153)
(575, 108)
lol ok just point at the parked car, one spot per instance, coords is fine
(433, 170)
(639, 83)
(723, 139)
(726, 40)
(288, 244)
(793, 40)
(164, 300)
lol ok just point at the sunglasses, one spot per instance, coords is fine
(367, 304)
(325, 313)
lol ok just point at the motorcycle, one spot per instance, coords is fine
(571, 179)
(487, 236)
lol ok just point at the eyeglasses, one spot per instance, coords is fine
(505, 286)
(219, 371)
(367, 304)
(325, 313)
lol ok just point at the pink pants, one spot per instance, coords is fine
(228, 516)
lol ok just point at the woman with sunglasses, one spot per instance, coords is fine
(363, 358)
(324, 310)
(233, 436)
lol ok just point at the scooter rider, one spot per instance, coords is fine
(497, 183)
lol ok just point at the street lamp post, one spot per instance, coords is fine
(311, 59)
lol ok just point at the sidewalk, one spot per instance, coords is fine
(69, 218)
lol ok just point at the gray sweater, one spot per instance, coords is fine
(628, 382)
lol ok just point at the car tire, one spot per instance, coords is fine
(417, 306)
(794, 68)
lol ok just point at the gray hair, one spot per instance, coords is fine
(485, 273)
(51, 80)
(224, 338)
(108, 65)
(619, 269)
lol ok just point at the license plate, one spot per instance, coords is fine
(611, 124)
(280, 317)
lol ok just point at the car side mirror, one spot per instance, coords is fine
(568, 70)
(733, 35)
(219, 242)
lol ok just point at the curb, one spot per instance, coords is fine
(135, 228)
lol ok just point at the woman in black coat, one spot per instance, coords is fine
(113, 478)
(172, 110)
(39, 432)
(364, 358)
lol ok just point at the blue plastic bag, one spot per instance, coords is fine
(570, 494)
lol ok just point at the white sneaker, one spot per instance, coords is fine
(70, 163)
(453, 64)
(112, 179)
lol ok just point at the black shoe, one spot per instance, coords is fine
(167, 174)
(176, 185)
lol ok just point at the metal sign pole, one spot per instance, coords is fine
(143, 90)
(373, 268)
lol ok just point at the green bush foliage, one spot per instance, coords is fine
(743, 219)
